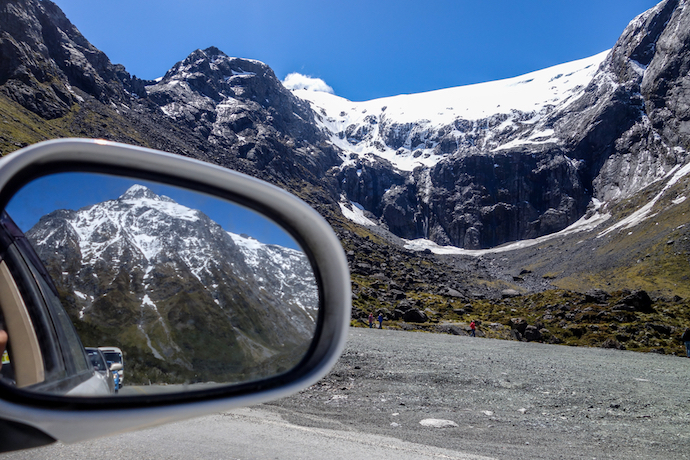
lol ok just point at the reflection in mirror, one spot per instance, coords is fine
(178, 289)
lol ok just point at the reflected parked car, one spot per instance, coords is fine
(102, 366)
(114, 355)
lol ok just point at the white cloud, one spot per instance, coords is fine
(298, 81)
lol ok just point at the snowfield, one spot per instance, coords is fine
(524, 100)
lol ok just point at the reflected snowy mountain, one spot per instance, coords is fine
(167, 280)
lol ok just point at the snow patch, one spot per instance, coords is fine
(585, 224)
(645, 212)
(355, 212)
(355, 126)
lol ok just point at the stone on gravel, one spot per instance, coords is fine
(438, 423)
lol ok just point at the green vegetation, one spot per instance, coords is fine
(20, 127)
(562, 317)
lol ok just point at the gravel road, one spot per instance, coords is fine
(509, 400)
(498, 399)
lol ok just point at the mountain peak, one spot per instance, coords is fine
(214, 53)
(137, 192)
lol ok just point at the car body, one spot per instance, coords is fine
(102, 367)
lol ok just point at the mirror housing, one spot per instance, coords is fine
(116, 367)
(73, 419)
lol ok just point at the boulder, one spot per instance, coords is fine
(639, 300)
(415, 316)
(405, 305)
(597, 296)
(532, 334)
(509, 293)
(518, 324)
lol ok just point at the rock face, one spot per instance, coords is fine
(473, 167)
(170, 281)
(239, 105)
(43, 56)
(630, 127)
(481, 181)
(228, 111)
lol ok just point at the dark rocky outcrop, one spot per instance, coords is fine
(44, 58)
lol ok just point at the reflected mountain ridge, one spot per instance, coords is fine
(173, 288)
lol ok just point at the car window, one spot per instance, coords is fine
(113, 357)
(72, 348)
(96, 360)
(63, 359)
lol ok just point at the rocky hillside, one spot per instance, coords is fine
(571, 177)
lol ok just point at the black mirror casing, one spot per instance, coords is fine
(71, 419)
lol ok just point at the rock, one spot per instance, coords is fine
(397, 294)
(438, 423)
(612, 343)
(415, 316)
(451, 329)
(454, 293)
(518, 324)
(509, 293)
(405, 305)
(597, 296)
(640, 301)
(532, 334)
(663, 329)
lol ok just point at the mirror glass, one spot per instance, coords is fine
(115, 285)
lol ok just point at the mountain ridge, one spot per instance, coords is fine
(609, 152)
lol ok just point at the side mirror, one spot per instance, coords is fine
(222, 289)
(116, 367)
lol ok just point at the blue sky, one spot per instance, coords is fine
(363, 49)
(76, 190)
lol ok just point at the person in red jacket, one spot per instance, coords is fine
(473, 328)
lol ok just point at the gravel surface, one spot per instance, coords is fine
(509, 400)
(413, 395)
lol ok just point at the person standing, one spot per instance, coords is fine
(685, 338)
(473, 329)
(380, 320)
(371, 320)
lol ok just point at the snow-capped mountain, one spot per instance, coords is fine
(478, 166)
(414, 130)
(593, 143)
(176, 274)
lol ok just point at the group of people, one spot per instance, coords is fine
(379, 319)
(473, 325)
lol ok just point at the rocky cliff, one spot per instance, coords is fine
(592, 142)
(600, 129)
